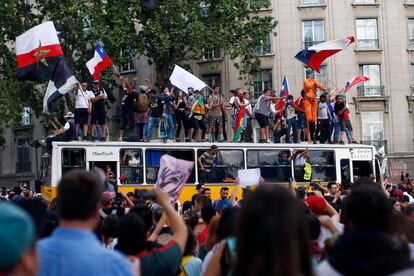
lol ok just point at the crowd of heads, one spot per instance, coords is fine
(270, 230)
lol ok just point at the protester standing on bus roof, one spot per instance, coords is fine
(342, 111)
(302, 126)
(247, 135)
(98, 110)
(310, 87)
(127, 108)
(198, 111)
(143, 110)
(167, 99)
(181, 111)
(215, 115)
(83, 108)
(261, 113)
(324, 119)
(156, 107)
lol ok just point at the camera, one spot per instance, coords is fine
(117, 201)
(143, 195)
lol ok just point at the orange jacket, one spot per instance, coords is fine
(310, 85)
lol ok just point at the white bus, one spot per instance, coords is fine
(135, 165)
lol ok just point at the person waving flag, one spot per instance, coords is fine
(315, 55)
(99, 62)
(38, 52)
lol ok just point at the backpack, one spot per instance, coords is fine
(142, 102)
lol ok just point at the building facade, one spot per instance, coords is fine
(381, 109)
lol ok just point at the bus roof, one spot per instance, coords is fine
(82, 144)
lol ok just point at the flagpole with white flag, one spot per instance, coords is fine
(183, 80)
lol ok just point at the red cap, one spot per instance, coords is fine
(316, 204)
(107, 196)
(399, 193)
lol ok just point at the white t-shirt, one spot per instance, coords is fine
(249, 108)
(233, 107)
(323, 111)
(290, 112)
(327, 234)
(82, 98)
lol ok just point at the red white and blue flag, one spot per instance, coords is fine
(99, 62)
(315, 55)
(284, 92)
(38, 52)
(354, 81)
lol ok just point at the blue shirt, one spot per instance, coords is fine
(221, 204)
(71, 251)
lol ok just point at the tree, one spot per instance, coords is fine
(177, 30)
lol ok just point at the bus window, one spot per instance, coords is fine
(225, 168)
(73, 159)
(45, 173)
(274, 164)
(153, 157)
(345, 171)
(131, 166)
(362, 168)
(322, 166)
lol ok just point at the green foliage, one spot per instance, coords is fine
(177, 30)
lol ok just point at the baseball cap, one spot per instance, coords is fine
(17, 233)
(107, 196)
(309, 71)
(96, 81)
(316, 204)
(398, 193)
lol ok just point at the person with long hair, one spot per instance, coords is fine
(180, 107)
(271, 237)
(198, 112)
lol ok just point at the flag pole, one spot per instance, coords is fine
(331, 82)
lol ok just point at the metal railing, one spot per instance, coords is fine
(22, 167)
(367, 44)
(371, 91)
(308, 44)
(311, 2)
(376, 143)
(357, 2)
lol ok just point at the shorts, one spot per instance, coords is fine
(215, 120)
(302, 121)
(127, 118)
(346, 125)
(198, 124)
(98, 117)
(81, 116)
(263, 120)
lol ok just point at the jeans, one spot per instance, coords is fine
(151, 124)
(337, 131)
(292, 124)
(142, 129)
(170, 126)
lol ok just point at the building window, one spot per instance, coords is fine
(26, 118)
(367, 33)
(23, 163)
(262, 81)
(211, 54)
(127, 61)
(372, 87)
(313, 32)
(410, 33)
(312, 2)
(212, 79)
(321, 77)
(205, 9)
(265, 46)
(373, 128)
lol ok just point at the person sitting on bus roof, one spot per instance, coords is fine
(66, 133)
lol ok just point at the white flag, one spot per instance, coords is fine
(183, 80)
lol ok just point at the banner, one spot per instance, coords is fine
(172, 175)
(183, 80)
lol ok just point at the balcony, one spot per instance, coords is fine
(410, 45)
(365, 3)
(408, 3)
(371, 91)
(376, 143)
(367, 44)
(23, 167)
(308, 44)
(311, 4)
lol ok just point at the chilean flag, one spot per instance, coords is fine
(315, 55)
(99, 62)
(354, 81)
(284, 92)
(38, 51)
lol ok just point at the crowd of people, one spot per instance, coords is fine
(362, 229)
(170, 114)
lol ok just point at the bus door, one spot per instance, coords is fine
(362, 162)
(345, 171)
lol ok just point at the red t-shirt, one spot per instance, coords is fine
(202, 236)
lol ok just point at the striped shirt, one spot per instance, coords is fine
(208, 159)
(263, 105)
